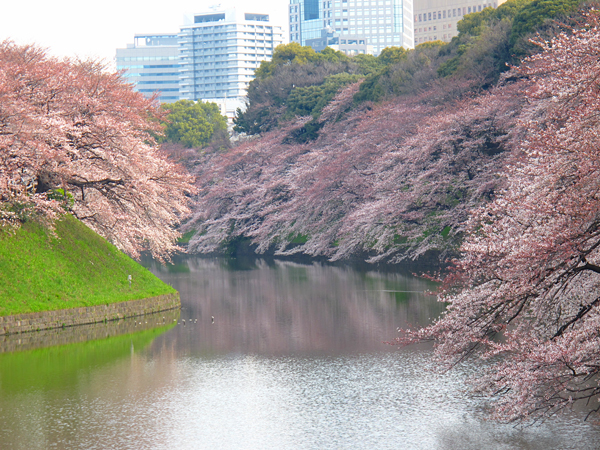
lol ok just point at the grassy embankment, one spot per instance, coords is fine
(77, 268)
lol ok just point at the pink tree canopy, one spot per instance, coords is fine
(389, 181)
(75, 137)
(525, 294)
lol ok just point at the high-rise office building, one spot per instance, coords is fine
(212, 58)
(220, 50)
(151, 63)
(436, 19)
(352, 26)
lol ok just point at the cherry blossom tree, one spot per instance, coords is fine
(76, 137)
(525, 293)
(386, 182)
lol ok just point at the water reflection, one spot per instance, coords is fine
(294, 360)
(282, 307)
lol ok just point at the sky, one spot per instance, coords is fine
(76, 28)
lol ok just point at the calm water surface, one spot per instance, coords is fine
(295, 359)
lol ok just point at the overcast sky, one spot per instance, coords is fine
(79, 28)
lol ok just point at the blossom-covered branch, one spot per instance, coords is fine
(386, 182)
(75, 137)
(525, 293)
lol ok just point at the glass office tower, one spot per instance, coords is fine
(151, 64)
(352, 26)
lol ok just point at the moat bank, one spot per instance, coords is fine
(71, 269)
(21, 323)
(87, 333)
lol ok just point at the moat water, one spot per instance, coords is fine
(272, 355)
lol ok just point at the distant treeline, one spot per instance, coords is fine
(300, 82)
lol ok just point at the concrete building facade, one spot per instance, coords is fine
(352, 26)
(436, 19)
(219, 52)
(151, 63)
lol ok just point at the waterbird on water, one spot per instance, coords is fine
(212, 319)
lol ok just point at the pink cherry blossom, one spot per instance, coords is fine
(72, 126)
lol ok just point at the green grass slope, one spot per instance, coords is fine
(39, 272)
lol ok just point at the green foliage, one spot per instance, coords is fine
(284, 54)
(473, 24)
(491, 39)
(532, 15)
(193, 124)
(42, 272)
(298, 239)
(446, 231)
(300, 82)
(185, 238)
(308, 132)
(59, 194)
(294, 53)
(310, 100)
(292, 67)
(367, 64)
(482, 49)
(392, 55)
(400, 71)
(333, 56)
(372, 88)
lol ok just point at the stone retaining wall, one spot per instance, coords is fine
(83, 333)
(22, 323)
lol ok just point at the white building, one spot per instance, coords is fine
(151, 63)
(352, 26)
(220, 50)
